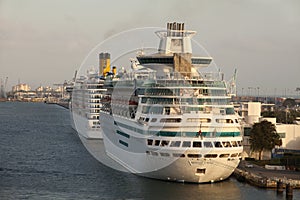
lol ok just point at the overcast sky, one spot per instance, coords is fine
(45, 41)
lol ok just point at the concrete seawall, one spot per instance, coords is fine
(265, 178)
(264, 182)
(63, 104)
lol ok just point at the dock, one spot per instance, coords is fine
(265, 178)
(63, 104)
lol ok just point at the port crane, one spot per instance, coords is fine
(3, 88)
(231, 85)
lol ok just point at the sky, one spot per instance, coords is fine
(43, 42)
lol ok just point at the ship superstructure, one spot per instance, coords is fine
(167, 120)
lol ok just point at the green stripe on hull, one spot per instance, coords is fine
(173, 134)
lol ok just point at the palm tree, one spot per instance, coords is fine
(263, 136)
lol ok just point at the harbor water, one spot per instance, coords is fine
(41, 157)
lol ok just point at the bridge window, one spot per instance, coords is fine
(234, 155)
(208, 144)
(149, 142)
(178, 155)
(239, 143)
(164, 143)
(194, 155)
(234, 143)
(186, 144)
(197, 144)
(157, 142)
(218, 144)
(164, 154)
(171, 120)
(153, 120)
(175, 144)
(226, 144)
(210, 156)
(224, 155)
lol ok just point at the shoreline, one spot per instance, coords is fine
(63, 104)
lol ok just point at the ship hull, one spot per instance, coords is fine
(83, 128)
(141, 160)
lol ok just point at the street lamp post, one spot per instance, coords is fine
(257, 93)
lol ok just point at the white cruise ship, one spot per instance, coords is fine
(168, 120)
(85, 105)
(86, 99)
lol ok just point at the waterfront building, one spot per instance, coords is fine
(21, 87)
(251, 113)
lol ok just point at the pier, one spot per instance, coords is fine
(63, 104)
(265, 178)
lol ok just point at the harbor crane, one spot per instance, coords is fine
(3, 88)
(231, 85)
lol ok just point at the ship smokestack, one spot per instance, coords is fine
(175, 29)
(179, 26)
(114, 70)
(168, 28)
(104, 63)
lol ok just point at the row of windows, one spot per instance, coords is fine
(94, 106)
(158, 109)
(94, 117)
(163, 120)
(96, 127)
(181, 92)
(197, 82)
(178, 101)
(201, 61)
(95, 96)
(129, 113)
(94, 110)
(94, 101)
(193, 155)
(95, 92)
(147, 60)
(95, 87)
(156, 91)
(178, 120)
(96, 122)
(170, 120)
(195, 144)
(201, 120)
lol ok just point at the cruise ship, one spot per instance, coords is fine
(167, 118)
(85, 102)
